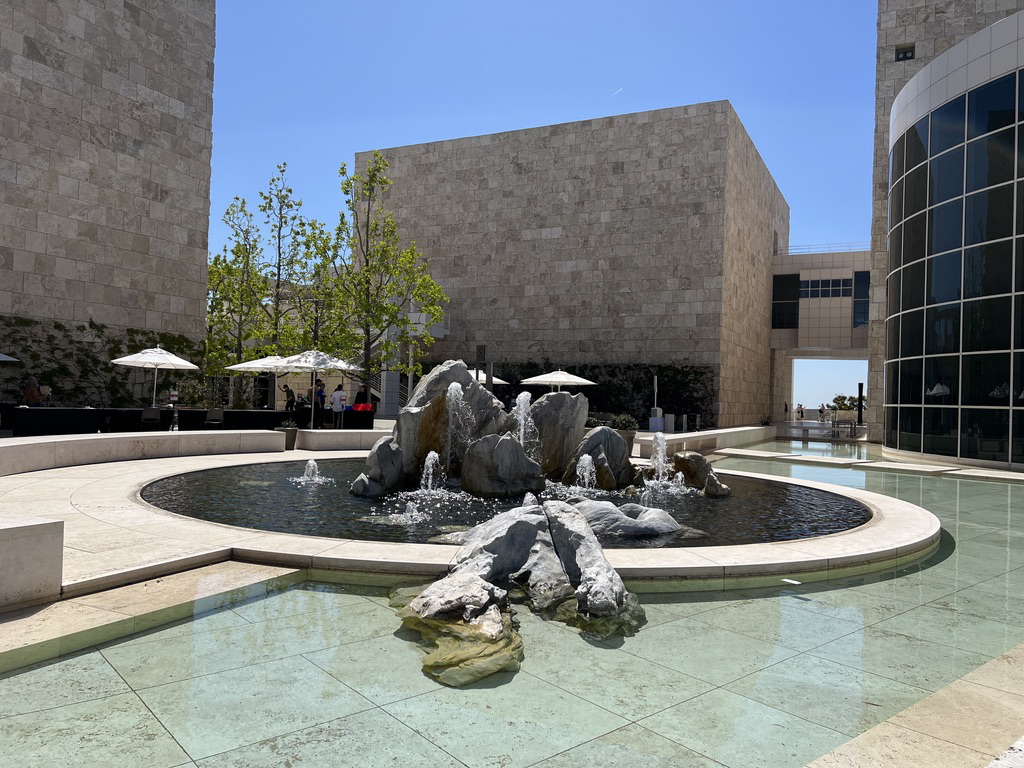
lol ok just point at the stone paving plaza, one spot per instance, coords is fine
(242, 664)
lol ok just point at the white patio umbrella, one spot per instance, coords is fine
(481, 376)
(558, 379)
(8, 359)
(314, 360)
(156, 359)
(268, 363)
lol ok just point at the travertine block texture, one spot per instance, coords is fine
(933, 26)
(105, 138)
(640, 238)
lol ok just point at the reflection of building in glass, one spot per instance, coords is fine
(954, 335)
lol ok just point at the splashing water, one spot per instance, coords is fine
(529, 500)
(659, 459)
(526, 430)
(413, 514)
(646, 499)
(460, 420)
(430, 466)
(312, 476)
(586, 475)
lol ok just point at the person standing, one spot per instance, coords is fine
(339, 399)
(289, 397)
(319, 404)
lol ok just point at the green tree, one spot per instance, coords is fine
(236, 292)
(281, 266)
(319, 295)
(392, 298)
(847, 402)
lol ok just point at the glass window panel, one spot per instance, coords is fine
(804, 293)
(785, 287)
(805, 283)
(986, 324)
(946, 179)
(917, 143)
(861, 285)
(1018, 322)
(947, 125)
(837, 282)
(896, 248)
(943, 278)
(861, 313)
(785, 314)
(891, 426)
(910, 429)
(896, 204)
(846, 282)
(1020, 150)
(988, 269)
(942, 330)
(812, 293)
(985, 379)
(1017, 392)
(893, 291)
(992, 106)
(940, 431)
(896, 160)
(991, 160)
(988, 215)
(915, 191)
(1017, 444)
(1018, 280)
(915, 237)
(912, 295)
(815, 284)
(892, 339)
(911, 333)
(892, 382)
(985, 434)
(942, 380)
(911, 372)
(846, 292)
(946, 230)
(837, 293)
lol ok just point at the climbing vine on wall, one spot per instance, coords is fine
(74, 360)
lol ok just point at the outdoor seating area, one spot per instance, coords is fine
(35, 422)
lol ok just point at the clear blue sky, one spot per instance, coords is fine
(312, 82)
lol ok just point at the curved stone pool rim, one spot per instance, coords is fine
(897, 534)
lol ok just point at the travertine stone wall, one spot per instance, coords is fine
(601, 241)
(105, 141)
(934, 26)
(757, 223)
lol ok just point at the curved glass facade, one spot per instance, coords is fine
(954, 370)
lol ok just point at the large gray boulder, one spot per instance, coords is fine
(561, 420)
(422, 425)
(698, 473)
(516, 546)
(610, 453)
(496, 466)
(598, 587)
(604, 517)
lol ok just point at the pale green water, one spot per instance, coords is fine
(320, 675)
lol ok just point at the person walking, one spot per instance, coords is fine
(339, 399)
(289, 397)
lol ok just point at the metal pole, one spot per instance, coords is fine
(860, 403)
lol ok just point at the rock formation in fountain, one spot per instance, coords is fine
(561, 423)
(549, 551)
(497, 466)
(697, 473)
(628, 520)
(611, 459)
(386, 469)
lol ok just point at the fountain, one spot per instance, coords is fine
(312, 476)
(430, 466)
(460, 420)
(586, 475)
(659, 459)
(526, 430)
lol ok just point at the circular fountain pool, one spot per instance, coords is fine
(272, 497)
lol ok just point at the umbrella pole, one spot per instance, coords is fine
(154, 386)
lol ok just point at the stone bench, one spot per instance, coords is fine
(338, 439)
(707, 440)
(27, 454)
(31, 561)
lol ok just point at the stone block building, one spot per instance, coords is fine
(640, 238)
(105, 141)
